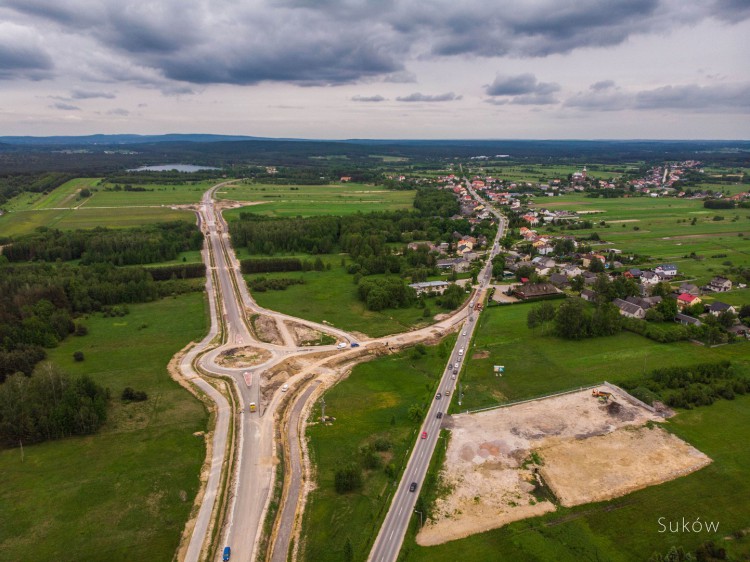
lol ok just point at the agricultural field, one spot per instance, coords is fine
(154, 195)
(371, 403)
(62, 197)
(125, 492)
(330, 296)
(25, 222)
(663, 229)
(627, 529)
(536, 364)
(311, 200)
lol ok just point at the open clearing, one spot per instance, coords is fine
(590, 451)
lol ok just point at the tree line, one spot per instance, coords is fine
(574, 320)
(49, 405)
(145, 244)
(687, 387)
(12, 185)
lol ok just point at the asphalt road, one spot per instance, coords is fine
(391, 536)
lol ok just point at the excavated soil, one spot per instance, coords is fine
(243, 357)
(589, 450)
(266, 330)
(304, 335)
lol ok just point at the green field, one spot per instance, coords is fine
(536, 364)
(24, 222)
(659, 233)
(155, 194)
(126, 492)
(627, 529)
(309, 200)
(330, 296)
(62, 197)
(372, 402)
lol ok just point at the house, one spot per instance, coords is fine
(686, 320)
(629, 309)
(690, 289)
(559, 280)
(717, 308)
(543, 262)
(455, 264)
(588, 295)
(668, 269)
(588, 278)
(545, 249)
(644, 302)
(634, 272)
(438, 287)
(739, 330)
(649, 278)
(720, 285)
(571, 270)
(588, 258)
(535, 290)
(686, 299)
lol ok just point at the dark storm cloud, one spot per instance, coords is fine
(718, 98)
(418, 96)
(376, 98)
(314, 42)
(21, 55)
(602, 85)
(522, 89)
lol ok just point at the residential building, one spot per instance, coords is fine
(686, 299)
(535, 290)
(438, 287)
(668, 269)
(720, 285)
(717, 308)
(686, 320)
(629, 309)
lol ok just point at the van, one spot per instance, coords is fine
(227, 554)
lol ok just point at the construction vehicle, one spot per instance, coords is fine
(604, 396)
(252, 406)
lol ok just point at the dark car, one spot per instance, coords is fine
(413, 487)
(355, 344)
(455, 371)
(438, 396)
(439, 415)
(227, 553)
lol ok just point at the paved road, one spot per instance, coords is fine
(289, 510)
(391, 536)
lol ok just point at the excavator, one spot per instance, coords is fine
(604, 396)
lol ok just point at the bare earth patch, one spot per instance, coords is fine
(243, 357)
(304, 335)
(625, 220)
(484, 354)
(590, 450)
(265, 329)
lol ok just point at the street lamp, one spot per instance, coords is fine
(420, 518)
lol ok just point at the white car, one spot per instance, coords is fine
(284, 387)
(342, 345)
(463, 334)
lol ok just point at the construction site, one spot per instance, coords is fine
(524, 460)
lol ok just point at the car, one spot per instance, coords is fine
(227, 554)
(463, 334)
(438, 396)
(355, 344)
(342, 345)
(455, 366)
(424, 435)
(447, 392)
(439, 415)
(413, 487)
(455, 372)
(284, 387)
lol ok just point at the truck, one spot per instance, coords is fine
(252, 407)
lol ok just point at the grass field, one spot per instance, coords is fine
(661, 236)
(24, 222)
(372, 402)
(330, 296)
(126, 492)
(536, 364)
(309, 200)
(627, 529)
(156, 194)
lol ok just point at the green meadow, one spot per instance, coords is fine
(371, 403)
(663, 229)
(125, 492)
(310, 200)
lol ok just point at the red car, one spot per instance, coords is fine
(424, 435)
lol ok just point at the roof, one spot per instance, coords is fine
(719, 307)
(588, 293)
(536, 290)
(625, 306)
(686, 297)
(668, 266)
(684, 318)
(428, 284)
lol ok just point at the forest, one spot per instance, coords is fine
(146, 244)
(12, 185)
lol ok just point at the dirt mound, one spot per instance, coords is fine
(305, 336)
(243, 357)
(265, 329)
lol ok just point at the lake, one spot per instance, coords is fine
(171, 167)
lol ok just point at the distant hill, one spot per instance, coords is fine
(121, 139)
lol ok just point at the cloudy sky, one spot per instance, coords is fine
(377, 68)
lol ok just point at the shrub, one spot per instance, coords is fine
(78, 356)
(130, 395)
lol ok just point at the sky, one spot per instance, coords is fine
(335, 69)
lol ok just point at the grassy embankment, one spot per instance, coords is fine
(126, 492)
(662, 228)
(372, 402)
